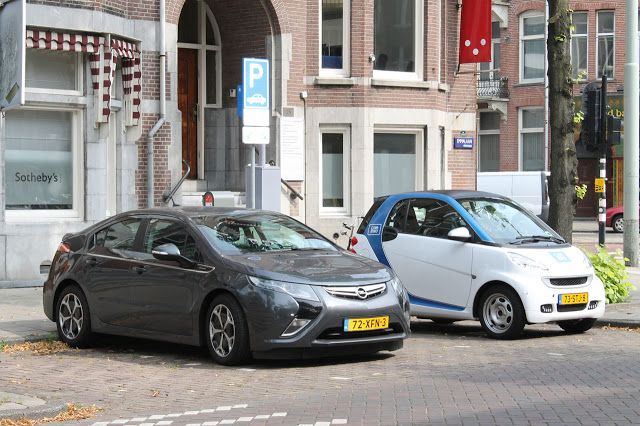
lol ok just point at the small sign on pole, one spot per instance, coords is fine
(599, 185)
(463, 143)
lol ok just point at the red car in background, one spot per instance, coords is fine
(614, 218)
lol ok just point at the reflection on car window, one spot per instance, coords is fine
(432, 218)
(505, 221)
(259, 233)
(119, 236)
(397, 216)
(162, 231)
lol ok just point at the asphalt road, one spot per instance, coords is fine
(444, 375)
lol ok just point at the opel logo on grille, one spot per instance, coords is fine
(361, 293)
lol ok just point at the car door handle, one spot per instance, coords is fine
(140, 269)
(92, 261)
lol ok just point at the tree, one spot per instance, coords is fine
(564, 163)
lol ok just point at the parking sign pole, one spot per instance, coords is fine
(252, 184)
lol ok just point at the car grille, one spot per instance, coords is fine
(361, 292)
(571, 308)
(338, 333)
(568, 281)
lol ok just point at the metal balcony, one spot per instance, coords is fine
(492, 87)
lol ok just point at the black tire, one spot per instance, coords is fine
(501, 313)
(222, 350)
(578, 325)
(442, 321)
(617, 223)
(73, 318)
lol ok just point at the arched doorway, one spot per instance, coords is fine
(199, 78)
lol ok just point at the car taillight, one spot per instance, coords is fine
(354, 241)
(64, 248)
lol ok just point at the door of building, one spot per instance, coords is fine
(188, 105)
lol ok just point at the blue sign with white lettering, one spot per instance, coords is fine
(463, 143)
(255, 83)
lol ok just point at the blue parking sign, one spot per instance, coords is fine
(255, 83)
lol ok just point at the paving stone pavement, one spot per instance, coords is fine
(444, 375)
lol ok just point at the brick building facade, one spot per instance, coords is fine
(366, 99)
(511, 90)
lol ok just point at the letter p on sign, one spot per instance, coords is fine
(255, 73)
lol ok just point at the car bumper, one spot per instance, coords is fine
(542, 304)
(325, 335)
(47, 299)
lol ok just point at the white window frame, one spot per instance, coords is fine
(418, 132)
(77, 153)
(79, 79)
(419, 35)
(522, 131)
(345, 71)
(345, 130)
(523, 38)
(581, 35)
(495, 41)
(486, 132)
(598, 35)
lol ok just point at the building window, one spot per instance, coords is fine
(398, 35)
(489, 142)
(487, 69)
(334, 37)
(532, 139)
(396, 162)
(335, 169)
(605, 43)
(532, 47)
(53, 72)
(579, 44)
(43, 162)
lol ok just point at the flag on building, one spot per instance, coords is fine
(475, 31)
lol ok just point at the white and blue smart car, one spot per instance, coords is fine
(466, 255)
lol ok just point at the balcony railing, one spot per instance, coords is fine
(492, 87)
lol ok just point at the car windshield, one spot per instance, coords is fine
(507, 222)
(259, 233)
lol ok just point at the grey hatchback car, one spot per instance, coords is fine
(241, 282)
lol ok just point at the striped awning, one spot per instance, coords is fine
(52, 40)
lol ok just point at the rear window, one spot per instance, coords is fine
(367, 218)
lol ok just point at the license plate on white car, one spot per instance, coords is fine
(573, 298)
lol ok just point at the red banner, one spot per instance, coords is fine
(475, 31)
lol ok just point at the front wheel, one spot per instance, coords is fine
(227, 331)
(501, 313)
(617, 223)
(72, 317)
(578, 325)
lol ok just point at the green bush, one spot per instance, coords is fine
(612, 272)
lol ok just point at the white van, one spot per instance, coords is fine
(528, 189)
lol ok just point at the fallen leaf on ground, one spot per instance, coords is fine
(43, 347)
(72, 412)
(630, 329)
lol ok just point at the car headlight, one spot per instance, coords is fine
(397, 286)
(527, 263)
(298, 291)
(587, 261)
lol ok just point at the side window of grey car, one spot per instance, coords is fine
(119, 236)
(162, 231)
(432, 218)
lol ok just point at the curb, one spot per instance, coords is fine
(618, 323)
(46, 410)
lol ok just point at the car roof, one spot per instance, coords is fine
(456, 194)
(197, 211)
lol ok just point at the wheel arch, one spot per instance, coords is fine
(483, 289)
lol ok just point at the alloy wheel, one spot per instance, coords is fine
(71, 316)
(618, 224)
(498, 313)
(222, 330)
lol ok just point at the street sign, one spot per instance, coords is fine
(256, 135)
(12, 53)
(599, 185)
(463, 143)
(255, 92)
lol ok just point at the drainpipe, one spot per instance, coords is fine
(163, 106)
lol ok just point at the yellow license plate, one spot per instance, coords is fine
(366, 324)
(573, 298)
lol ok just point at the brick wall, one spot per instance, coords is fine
(162, 175)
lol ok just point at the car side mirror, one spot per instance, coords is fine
(461, 234)
(389, 233)
(169, 252)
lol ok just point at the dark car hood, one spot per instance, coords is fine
(311, 267)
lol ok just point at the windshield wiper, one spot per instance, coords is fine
(307, 248)
(535, 238)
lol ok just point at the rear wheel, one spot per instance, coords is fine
(501, 313)
(617, 223)
(578, 325)
(72, 317)
(227, 331)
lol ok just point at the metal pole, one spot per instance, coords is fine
(602, 144)
(631, 168)
(252, 177)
